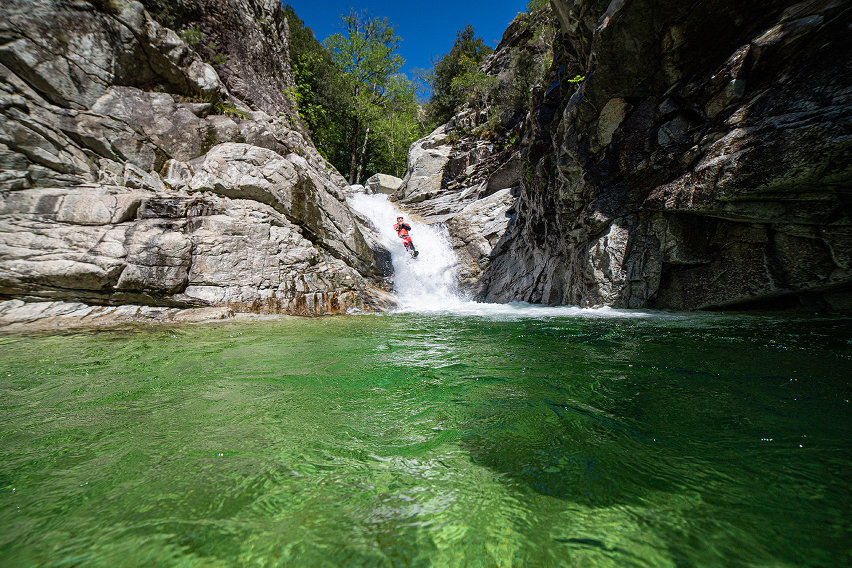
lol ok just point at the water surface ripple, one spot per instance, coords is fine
(431, 440)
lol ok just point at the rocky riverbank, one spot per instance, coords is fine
(137, 172)
(672, 156)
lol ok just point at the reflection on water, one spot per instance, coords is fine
(625, 439)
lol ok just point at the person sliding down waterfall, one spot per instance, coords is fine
(402, 230)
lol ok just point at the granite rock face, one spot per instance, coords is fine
(383, 183)
(130, 173)
(460, 177)
(704, 162)
(18, 316)
(248, 40)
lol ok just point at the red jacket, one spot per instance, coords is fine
(402, 230)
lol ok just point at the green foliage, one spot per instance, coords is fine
(197, 39)
(192, 35)
(384, 121)
(170, 13)
(528, 63)
(228, 109)
(321, 92)
(213, 55)
(456, 78)
(351, 89)
(394, 126)
(198, 98)
(473, 85)
(366, 54)
(460, 65)
(536, 5)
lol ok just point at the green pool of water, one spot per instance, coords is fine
(417, 440)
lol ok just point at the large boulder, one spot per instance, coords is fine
(426, 161)
(132, 176)
(383, 183)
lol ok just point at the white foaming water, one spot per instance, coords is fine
(427, 284)
(424, 283)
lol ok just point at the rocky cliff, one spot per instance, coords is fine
(703, 162)
(140, 168)
(151, 159)
(467, 173)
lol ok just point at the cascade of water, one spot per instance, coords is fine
(425, 283)
(428, 283)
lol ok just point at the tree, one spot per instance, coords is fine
(473, 85)
(467, 53)
(361, 112)
(366, 55)
(322, 92)
(397, 125)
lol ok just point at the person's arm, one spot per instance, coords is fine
(406, 226)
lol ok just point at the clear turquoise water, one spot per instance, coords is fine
(415, 440)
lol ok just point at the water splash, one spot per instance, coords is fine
(428, 284)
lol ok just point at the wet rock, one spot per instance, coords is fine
(17, 316)
(383, 183)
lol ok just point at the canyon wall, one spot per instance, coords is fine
(141, 166)
(704, 161)
(672, 156)
(467, 173)
(676, 155)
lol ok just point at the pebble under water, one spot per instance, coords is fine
(431, 440)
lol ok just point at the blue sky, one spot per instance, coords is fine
(427, 29)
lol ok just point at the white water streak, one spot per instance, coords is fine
(423, 283)
(427, 284)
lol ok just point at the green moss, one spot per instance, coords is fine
(227, 109)
(209, 140)
(198, 98)
(213, 56)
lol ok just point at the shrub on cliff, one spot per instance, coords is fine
(465, 77)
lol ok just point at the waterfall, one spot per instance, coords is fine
(428, 283)
(425, 283)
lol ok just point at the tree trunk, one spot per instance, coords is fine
(363, 153)
(354, 162)
(393, 144)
